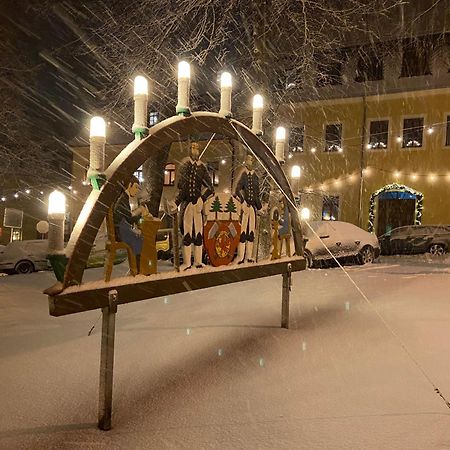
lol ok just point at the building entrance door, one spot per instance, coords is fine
(395, 209)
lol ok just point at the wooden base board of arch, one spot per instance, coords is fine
(94, 295)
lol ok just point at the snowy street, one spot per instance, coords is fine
(213, 368)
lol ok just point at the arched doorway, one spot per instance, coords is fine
(394, 205)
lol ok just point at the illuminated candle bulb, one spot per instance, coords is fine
(432, 177)
(140, 106)
(313, 150)
(184, 81)
(430, 130)
(258, 106)
(225, 94)
(56, 217)
(97, 139)
(397, 174)
(414, 176)
(280, 141)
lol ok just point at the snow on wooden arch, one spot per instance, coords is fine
(392, 188)
(136, 153)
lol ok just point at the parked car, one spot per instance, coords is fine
(24, 256)
(413, 239)
(342, 239)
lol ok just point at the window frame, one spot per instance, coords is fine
(335, 196)
(172, 173)
(152, 114)
(402, 128)
(389, 133)
(291, 149)
(213, 168)
(325, 138)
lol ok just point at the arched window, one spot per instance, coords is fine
(169, 175)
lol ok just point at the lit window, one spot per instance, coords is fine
(333, 137)
(213, 170)
(378, 134)
(330, 208)
(169, 174)
(139, 175)
(153, 118)
(296, 136)
(413, 132)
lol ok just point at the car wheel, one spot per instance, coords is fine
(366, 255)
(437, 249)
(24, 267)
(309, 260)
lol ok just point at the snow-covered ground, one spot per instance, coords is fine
(213, 369)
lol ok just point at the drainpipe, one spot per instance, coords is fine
(362, 162)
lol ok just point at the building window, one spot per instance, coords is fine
(213, 170)
(416, 58)
(139, 174)
(333, 137)
(330, 207)
(169, 175)
(447, 136)
(296, 139)
(378, 134)
(329, 69)
(413, 132)
(369, 66)
(153, 118)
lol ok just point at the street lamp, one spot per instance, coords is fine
(97, 139)
(280, 141)
(225, 94)
(305, 214)
(140, 128)
(56, 217)
(184, 81)
(258, 106)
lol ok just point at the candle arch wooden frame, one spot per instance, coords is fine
(135, 154)
(69, 299)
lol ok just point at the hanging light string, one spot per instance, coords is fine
(317, 142)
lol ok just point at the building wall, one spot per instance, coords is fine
(425, 169)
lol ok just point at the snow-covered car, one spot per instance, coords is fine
(24, 256)
(341, 239)
(413, 239)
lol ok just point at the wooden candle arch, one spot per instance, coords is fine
(136, 153)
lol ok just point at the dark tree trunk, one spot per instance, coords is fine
(153, 171)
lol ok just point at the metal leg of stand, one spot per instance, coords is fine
(287, 283)
(107, 362)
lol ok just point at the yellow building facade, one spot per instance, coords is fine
(390, 164)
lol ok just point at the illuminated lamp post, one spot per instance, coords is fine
(258, 106)
(97, 139)
(56, 217)
(280, 141)
(225, 94)
(184, 81)
(305, 214)
(140, 128)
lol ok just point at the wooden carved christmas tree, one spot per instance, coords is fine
(216, 206)
(230, 207)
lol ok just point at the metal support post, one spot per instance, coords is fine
(287, 284)
(107, 362)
